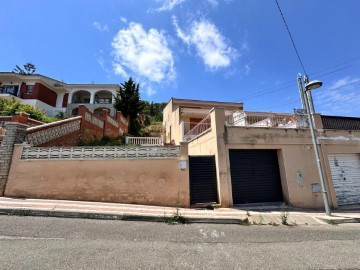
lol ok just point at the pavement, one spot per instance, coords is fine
(247, 215)
(72, 243)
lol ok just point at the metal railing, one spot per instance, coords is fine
(144, 141)
(273, 120)
(199, 128)
(103, 101)
(100, 152)
(340, 123)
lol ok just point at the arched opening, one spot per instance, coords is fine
(99, 112)
(81, 96)
(103, 97)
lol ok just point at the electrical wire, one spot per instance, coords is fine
(316, 95)
(292, 40)
(291, 84)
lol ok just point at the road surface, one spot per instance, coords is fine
(59, 243)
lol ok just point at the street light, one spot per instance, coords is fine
(306, 94)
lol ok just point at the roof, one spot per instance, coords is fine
(192, 103)
(57, 82)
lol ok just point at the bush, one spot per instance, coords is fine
(105, 141)
(9, 107)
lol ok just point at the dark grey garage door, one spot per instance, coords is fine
(202, 179)
(255, 176)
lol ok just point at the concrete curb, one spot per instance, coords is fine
(334, 220)
(102, 216)
(152, 218)
(86, 215)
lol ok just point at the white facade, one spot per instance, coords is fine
(95, 96)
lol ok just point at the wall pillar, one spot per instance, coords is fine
(92, 97)
(59, 100)
(14, 133)
(70, 96)
(113, 95)
(222, 169)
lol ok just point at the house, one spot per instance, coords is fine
(240, 157)
(55, 96)
(181, 115)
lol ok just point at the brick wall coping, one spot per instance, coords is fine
(55, 123)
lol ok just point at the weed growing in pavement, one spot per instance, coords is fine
(248, 213)
(331, 222)
(261, 220)
(177, 218)
(273, 223)
(244, 222)
(23, 213)
(284, 215)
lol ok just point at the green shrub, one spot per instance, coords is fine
(10, 107)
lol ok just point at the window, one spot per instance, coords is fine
(10, 89)
(29, 89)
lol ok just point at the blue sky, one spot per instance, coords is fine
(224, 50)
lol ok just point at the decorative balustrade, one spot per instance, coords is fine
(94, 120)
(110, 120)
(4, 119)
(199, 128)
(273, 120)
(124, 120)
(144, 141)
(100, 152)
(103, 101)
(44, 133)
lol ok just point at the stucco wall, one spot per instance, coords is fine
(204, 144)
(296, 154)
(142, 181)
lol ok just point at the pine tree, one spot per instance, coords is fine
(152, 111)
(129, 103)
(29, 69)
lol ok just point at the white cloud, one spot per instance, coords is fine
(168, 4)
(145, 54)
(100, 27)
(101, 61)
(123, 19)
(118, 70)
(150, 92)
(214, 3)
(347, 81)
(210, 45)
(247, 69)
(340, 98)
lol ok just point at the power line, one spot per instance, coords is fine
(316, 94)
(292, 40)
(291, 84)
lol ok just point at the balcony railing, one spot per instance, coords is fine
(144, 141)
(199, 128)
(81, 101)
(103, 101)
(270, 120)
(340, 123)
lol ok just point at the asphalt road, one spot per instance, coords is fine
(56, 243)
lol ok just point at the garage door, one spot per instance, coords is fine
(345, 172)
(255, 176)
(202, 179)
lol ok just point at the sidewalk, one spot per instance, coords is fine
(100, 210)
